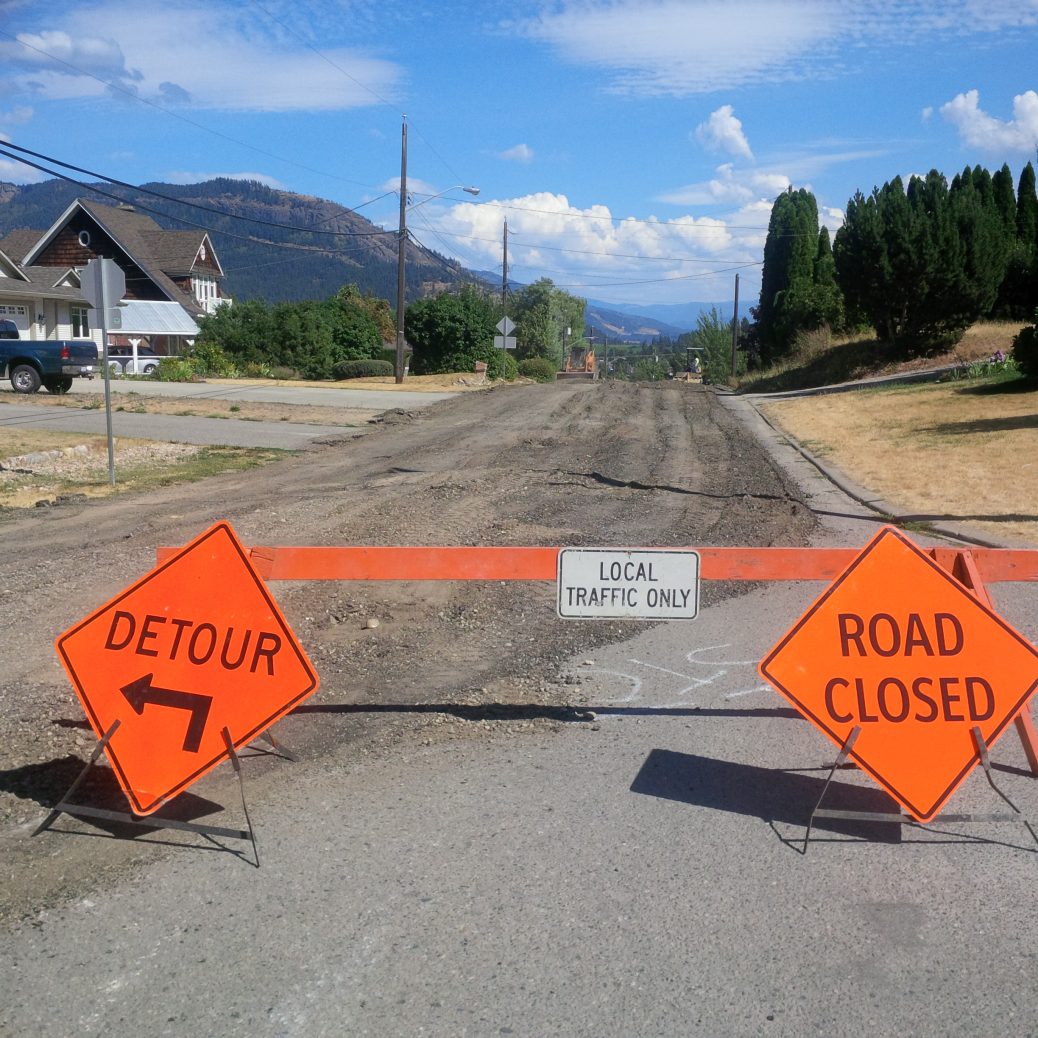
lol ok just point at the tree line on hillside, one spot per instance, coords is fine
(917, 264)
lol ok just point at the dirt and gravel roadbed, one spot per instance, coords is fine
(572, 463)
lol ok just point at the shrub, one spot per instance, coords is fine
(208, 358)
(502, 366)
(362, 369)
(1025, 350)
(255, 369)
(648, 370)
(280, 371)
(175, 369)
(540, 369)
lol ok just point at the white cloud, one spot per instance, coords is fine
(17, 116)
(242, 66)
(591, 252)
(723, 132)
(730, 186)
(927, 113)
(673, 47)
(183, 177)
(683, 47)
(520, 153)
(980, 130)
(16, 173)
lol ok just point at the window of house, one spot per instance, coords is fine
(79, 316)
(205, 290)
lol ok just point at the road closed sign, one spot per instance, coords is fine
(196, 647)
(898, 647)
(628, 583)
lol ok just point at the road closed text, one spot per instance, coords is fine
(935, 692)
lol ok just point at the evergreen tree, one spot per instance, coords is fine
(922, 265)
(787, 280)
(828, 299)
(1027, 209)
(1005, 203)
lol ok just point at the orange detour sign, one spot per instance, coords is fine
(899, 647)
(196, 646)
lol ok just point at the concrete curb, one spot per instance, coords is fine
(774, 437)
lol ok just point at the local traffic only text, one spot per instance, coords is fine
(633, 583)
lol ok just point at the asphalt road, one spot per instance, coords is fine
(639, 875)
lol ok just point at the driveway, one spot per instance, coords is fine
(214, 431)
(332, 395)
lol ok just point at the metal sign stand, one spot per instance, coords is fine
(66, 806)
(899, 817)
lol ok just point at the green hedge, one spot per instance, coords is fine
(540, 369)
(1025, 350)
(502, 366)
(362, 369)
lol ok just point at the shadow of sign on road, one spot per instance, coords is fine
(770, 794)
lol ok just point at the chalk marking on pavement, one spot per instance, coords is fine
(747, 692)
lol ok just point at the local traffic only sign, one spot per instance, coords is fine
(898, 647)
(634, 583)
(195, 648)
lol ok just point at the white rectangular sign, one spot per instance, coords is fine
(628, 583)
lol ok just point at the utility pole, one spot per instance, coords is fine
(504, 272)
(401, 254)
(735, 325)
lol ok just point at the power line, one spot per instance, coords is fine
(93, 189)
(196, 205)
(176, 115)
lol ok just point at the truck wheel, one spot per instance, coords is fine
(58, 385)
(25, 379)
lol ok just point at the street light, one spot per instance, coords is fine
(402, 247)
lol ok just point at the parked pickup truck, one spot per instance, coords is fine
(51, 363)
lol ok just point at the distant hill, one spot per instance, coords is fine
(622, 326)
(680, 315)
(623, 322)
(314, 266)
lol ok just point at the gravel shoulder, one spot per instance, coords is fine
(564, 464)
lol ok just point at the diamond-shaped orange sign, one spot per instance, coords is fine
(899, 647)
(196, 646)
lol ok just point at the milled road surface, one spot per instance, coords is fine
(461, 849)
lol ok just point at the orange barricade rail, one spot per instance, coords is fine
(497, 563)
(973, 567)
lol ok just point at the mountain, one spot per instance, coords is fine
(307, 260)
(681, 315)
(622, 326)
(624, 322)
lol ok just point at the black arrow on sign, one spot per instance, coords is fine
(141, 692)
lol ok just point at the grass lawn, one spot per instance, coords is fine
(962, 451)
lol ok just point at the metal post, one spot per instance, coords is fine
(735, 326)
(401, 252)
(504, 272)
(103, 309)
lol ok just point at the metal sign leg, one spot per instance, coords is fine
(66, 806)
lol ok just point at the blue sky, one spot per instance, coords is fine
(635, 148)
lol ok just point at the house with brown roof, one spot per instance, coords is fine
(172, 277)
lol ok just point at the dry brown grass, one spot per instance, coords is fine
(965, 451)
